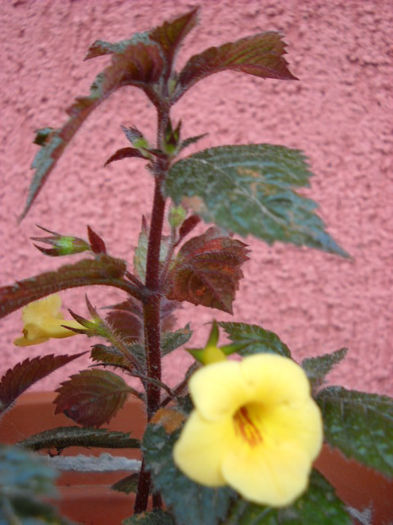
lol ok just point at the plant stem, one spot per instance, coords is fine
(151, 303)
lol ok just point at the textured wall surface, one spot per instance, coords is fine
(339, 113)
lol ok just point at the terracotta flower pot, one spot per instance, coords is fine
(87, 498)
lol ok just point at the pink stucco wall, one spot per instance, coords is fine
(340, 114)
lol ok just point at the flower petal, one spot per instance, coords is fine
(48, 306)
(201, 447)
(218, 390)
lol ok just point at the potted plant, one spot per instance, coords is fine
(239, 439)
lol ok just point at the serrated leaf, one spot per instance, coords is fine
(319, 505)
(172, 340)
(317, 368)
(248, 189)
(111, 356)
(92, 397)
(63, 437)
(125, 324)
(207, 270)
(255, 339)
(156, 517)
(360, 425)
(102, 270)
(138, 63)
(261, 55)
(19, 378)
(191, 504)
(171, 34)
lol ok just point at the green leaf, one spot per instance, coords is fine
(318, 506)
(360, 425)
(63, 437)
(191, 504)
(207, 270)
(140, 253)
(249, 190)
(102, 270)
(92, 397)
(156, 517)
(128, 485)
(253, 339)
(261, 55)
(172, 340)
(19, 378)
(317, 368)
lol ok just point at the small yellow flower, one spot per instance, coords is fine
(43, 320)
(255, 428)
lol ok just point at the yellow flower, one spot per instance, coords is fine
(42, 320)
(255, 428)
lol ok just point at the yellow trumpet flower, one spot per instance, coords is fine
(255, 428)
(43, 320)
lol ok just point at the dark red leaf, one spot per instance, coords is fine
(18, 379)
(138, 64)
(261, 55)
(92, 397)
(207, 270)
(124, 153)
(128, 327)
(102, 270)
(97, 244)
(170, 34)
(188, 225)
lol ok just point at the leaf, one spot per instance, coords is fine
(97, 244)
(317, 368)
(128, 484)
(249, 190)
(261, 55)
(207, 270)
(126, 325)
(360, 425)
(156, 517)
(102, 270)
(172, 340)
(124, 153)
(136, 63)
(63, 437)
(111, 356)
(171, 34)
(18, 379)
(319, 505)
(188, 225)
(92, 397)
(191, 504)
(140, 254)
(255, 339)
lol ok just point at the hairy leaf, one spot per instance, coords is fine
(111, 356)
(138, 63)
(18, 379)
(92, 397)
(253, 339)
(317, 368)
(63, 437)
(140, 253)
(319, 505)
(191, 503)
(261, 55)
(125, 325)
(249, 190)
(207, 270)
(156, 517)
(172, 340)
(171, 34)
(102, 270)
(360, 425)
